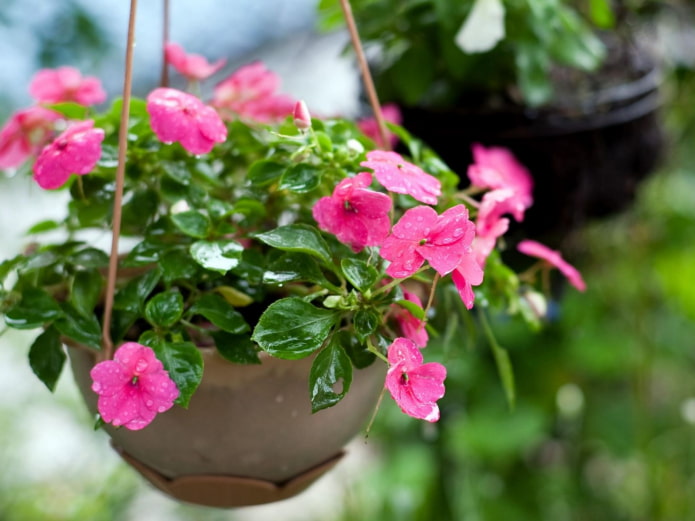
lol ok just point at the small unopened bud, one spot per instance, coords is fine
(302, 118)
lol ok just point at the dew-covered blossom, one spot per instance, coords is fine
(412, 327)
(496, 168)
(66, 84)
(24, 134)
(133, 387)
(178, 116)
(398, 175)
(357, 216)
(414, 386)
(370, 127)
(192, 66)
(536, 249)
(301, 115)
(467, 274)
(251, 92)
(75, 151)
(421, 235)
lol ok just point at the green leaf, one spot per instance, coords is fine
(90, 258)
(70, 110)
(164, 309)
(46, 357)
(291, 267)
(601, 14)
(264, 172)
(324, 141)
(86, 290)
(218, 311)
(43, 226)
(366, 320)
(192, 223)
(413, 73)
(220, 256)
(236, 348)
(331, 366)
(35, 309)
(355, 349)
(415, 310)
(83, 329)
(178, 265)
(292, 328)
(532, 64)
(143, 253)
(297, 237)
(9, 265)
(183, 362)
(132, 296)
(359, 273)
(301, 178)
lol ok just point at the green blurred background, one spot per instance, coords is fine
(603, 428)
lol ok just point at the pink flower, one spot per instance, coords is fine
(399, 176)
(75, 151)
(370, 127)
(192, 66)
(412, 328)
(466, 275)
(133, 387)
(422, 235)
(414, 386)
(26, 132)
(250, 92)
(536, 249)
(496, 168)
(357, 216)
(66, 84)
(178, 116)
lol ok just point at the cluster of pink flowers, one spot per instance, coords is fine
(133, 388)
(449, 242)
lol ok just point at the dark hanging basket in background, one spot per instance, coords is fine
(587, 151)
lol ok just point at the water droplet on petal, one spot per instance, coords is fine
(161, 408)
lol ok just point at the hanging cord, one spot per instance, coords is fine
(366, 75)
(164, 80)
(107, 344)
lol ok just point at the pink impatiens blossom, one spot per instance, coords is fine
(192, 66)
(178, 116)
(536, 249)
(133, 387)
(251, 92)
(66, 84)
(370, 127)
(414, 386)
(421, 235)
(496, 168)
(467, 274)
(412, 327)
(398, 175)
(75, 151)
(24, 134)
(357, 216)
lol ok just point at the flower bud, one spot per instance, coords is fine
(302, 118)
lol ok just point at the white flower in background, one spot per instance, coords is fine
(483, 28)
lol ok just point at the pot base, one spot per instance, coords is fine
(228, 491)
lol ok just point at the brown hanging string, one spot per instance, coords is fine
(366, 75)
(107, 344)
(164, 80)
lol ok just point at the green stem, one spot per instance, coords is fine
(372, 349)
(504, 366)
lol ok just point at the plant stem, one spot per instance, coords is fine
(504, 367)
(366, 75)
(164, 80)
(120, 181)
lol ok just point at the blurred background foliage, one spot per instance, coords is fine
(604, 424)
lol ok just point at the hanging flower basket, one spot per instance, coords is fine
(248, 435)
(282, 272)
